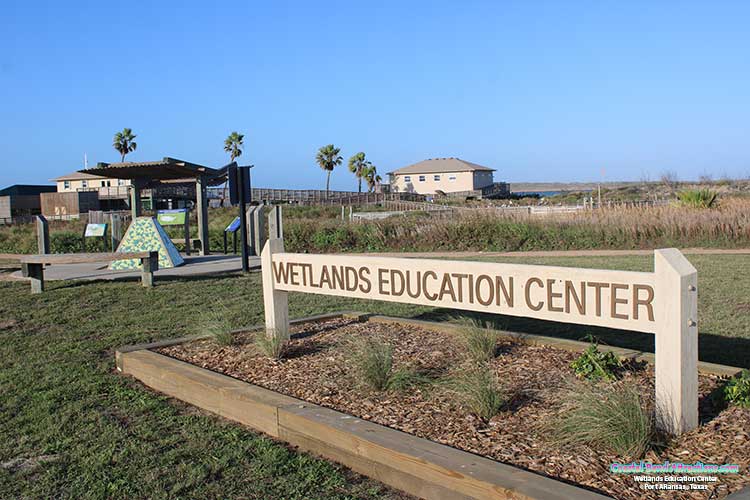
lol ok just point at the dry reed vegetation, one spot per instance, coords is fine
(727, 225)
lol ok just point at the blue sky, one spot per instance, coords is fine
(540, 90)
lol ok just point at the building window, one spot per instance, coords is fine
(120, 182)
(84, 183)
(451, 178)
(103, 184)
(435, 177)
(407, 178)
(421, 178)
(66, 184)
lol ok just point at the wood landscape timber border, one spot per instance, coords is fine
(743, 494)
(415, 465)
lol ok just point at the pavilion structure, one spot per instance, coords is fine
(151, 174)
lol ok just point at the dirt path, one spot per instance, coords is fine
(562, 253)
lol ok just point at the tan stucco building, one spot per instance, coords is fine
(449, 175)
(78, 181)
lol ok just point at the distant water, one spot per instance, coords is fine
(542, 194)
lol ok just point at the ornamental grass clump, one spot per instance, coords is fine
(612, 417)
(373, 361)
(479, 390)
(270, 344)
(480, 343)
(594, 364)
(215, 323)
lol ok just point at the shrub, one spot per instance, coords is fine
(737, 390)
(272, 345)
(697, 198)
(479, 390)
(593, 364)
(480, 343)
(65, 242)
(613, 417)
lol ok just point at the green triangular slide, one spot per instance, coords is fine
(146, 234)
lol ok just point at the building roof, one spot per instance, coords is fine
(76, 176)
(26, 190)
(441, 165)
(164, 169)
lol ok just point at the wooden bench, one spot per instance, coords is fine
(32, 266)
(12, 257)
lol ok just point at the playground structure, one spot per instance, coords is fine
(146, 234)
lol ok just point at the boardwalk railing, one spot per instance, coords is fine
(320, 197)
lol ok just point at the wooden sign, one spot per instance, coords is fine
(663, 302)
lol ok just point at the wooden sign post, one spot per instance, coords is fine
(275, 300)
(663, 302)
(256, 229)
(275, 223)
(676, 341)
(115, 233)
(42, 235)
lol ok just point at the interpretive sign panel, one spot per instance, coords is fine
(95, 230)
(233, 226)
(174, 217)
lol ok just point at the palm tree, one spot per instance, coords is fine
(233, 145)
(371, 176)
(358, 165)
(328, 158)
(123, 142)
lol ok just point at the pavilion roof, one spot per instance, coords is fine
(165, 169)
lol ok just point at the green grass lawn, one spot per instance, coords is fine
(108, 436)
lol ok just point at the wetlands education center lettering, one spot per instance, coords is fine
(618, 299)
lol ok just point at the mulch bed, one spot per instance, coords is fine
(318, 368)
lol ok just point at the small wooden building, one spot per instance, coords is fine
(22, 200)
(68, 205)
